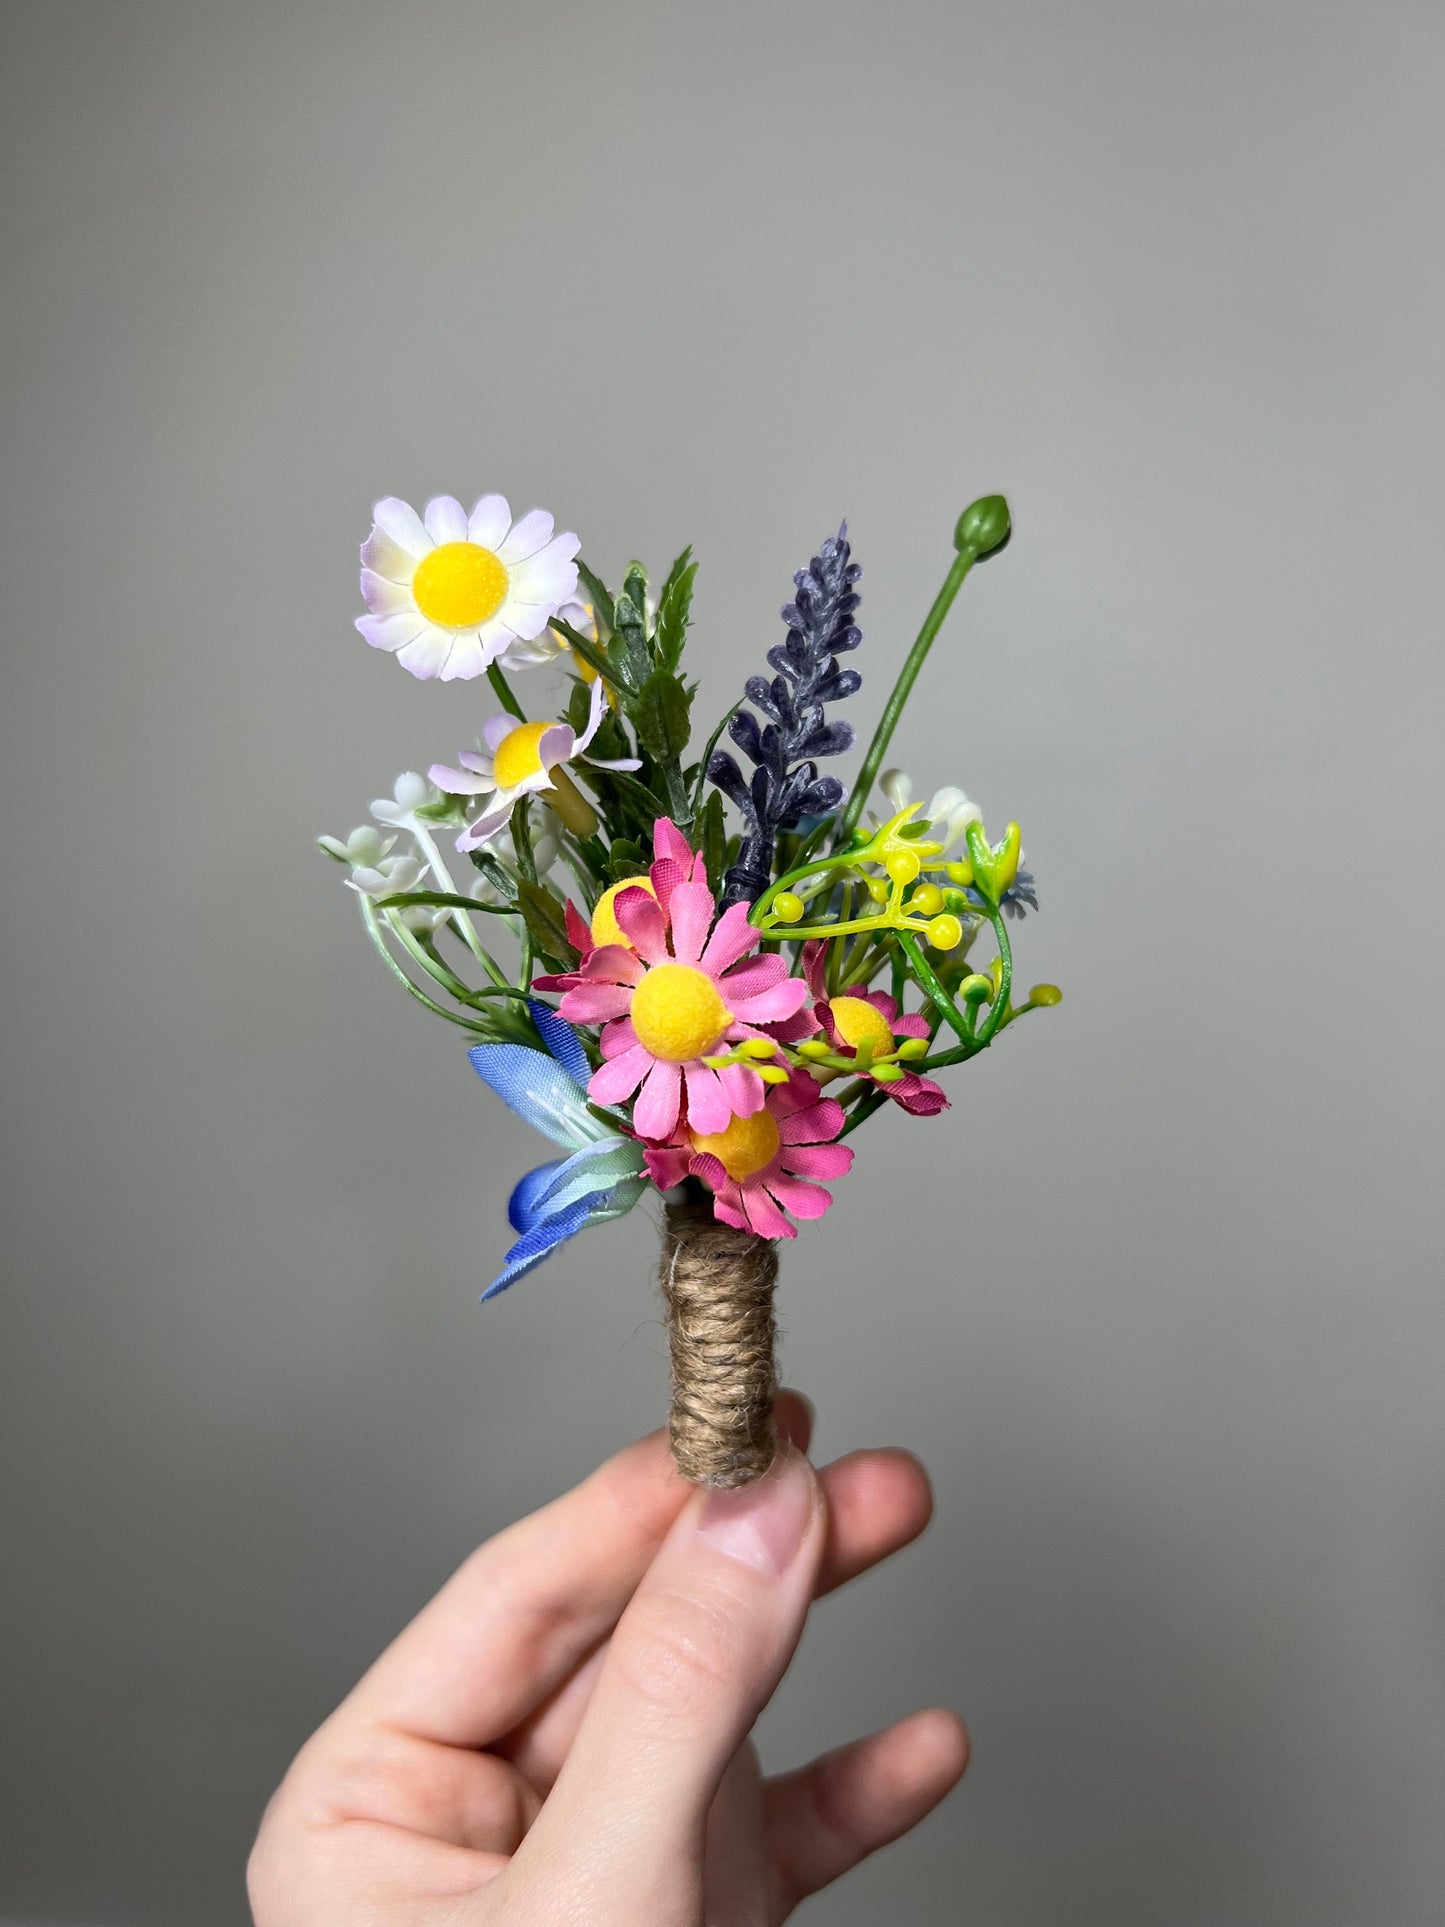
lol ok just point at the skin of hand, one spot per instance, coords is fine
(560, 1738)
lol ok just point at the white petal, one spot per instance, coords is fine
(391, 632)
(594, 714)
(459, 782)
(388, 558)
(527, 619)
(426, 655)
(546, 646)
(385, 598)
(489, 521)
(446, 519)
(401, 522)
(533, 532)
(496, 728)
(466, 660)
(897, 787)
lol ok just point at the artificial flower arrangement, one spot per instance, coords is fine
(676, 1002)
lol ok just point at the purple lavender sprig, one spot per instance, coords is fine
(785, 785)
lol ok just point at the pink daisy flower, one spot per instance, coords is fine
(871, 1017)
(681, 986)
(759, 1168)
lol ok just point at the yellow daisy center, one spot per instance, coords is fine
(459, 585)
(748, 1145)
(859, 1022)
(517, 756)
(677, 1013)
(605, 927)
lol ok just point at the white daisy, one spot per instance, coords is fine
(448, 593)
(519, 758)
(948, 814)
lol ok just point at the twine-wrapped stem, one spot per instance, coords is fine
(718, 1283)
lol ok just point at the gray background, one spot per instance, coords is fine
(1159, 1302)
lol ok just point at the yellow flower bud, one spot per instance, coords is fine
(787, 907)
(926, 901)
(945, 932)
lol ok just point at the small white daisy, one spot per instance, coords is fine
(450, 592)
(519, 758)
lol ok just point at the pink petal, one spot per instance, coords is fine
(727, 1200)
(757, 974)
(919, 1096)
(667, 1164)
(639, 918)
(744, 1090)
(691, 910)
(886, 1006)
(814, 951)
(596, 1003)
(818, 1123)
(909, 1026)
(732, 938)
(669, 841)
(763, 1215)
(708, 1109)
(654, 1114)
(770, 1006)
(620, 1077)
(803, 1200)
(578, 929)
(818, 1160)
(613, 963)
(560, 980)
(805, 1024)
(664, 876)
(618, 1036)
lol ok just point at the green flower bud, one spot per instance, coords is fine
(975, 990)
(1045, 996)
(983, 527)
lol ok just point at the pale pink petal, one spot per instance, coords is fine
(492, 819)
(489, 521)
(708, 1109)
(754, 975)
(654, 1114)
(385, 598)
(691, 910)
(620, 1076)
(400, 521)
(446, 519)
(554, 745)
(803, 1200)
(460, 782)
(763, 1215)
(768, 1006)
(639, 918)
(818, 1160)
(533, 532)
(391, 632)
(387, 558)
(496, 730)
(744, 1090)
(597, 1003)
(732, 938)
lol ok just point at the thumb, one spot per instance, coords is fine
(694, 1659)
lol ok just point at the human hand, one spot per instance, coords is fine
(560, 1738)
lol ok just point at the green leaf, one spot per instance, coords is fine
(579, 705)
(626, 860)
(628, 649)
(598, 594)
(673, 607)
(634, 587)
(542, 912)
(441, 900)
(661, 714)
(712, 743)
(711, 837)
(596, 657)
(497, 874)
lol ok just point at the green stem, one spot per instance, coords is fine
(504, 692)
(928, 981)
(893, 709)
(373, 929)
(996, 1016)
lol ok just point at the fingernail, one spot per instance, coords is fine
(762, 1525)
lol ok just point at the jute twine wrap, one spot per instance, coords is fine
(718, 1284)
